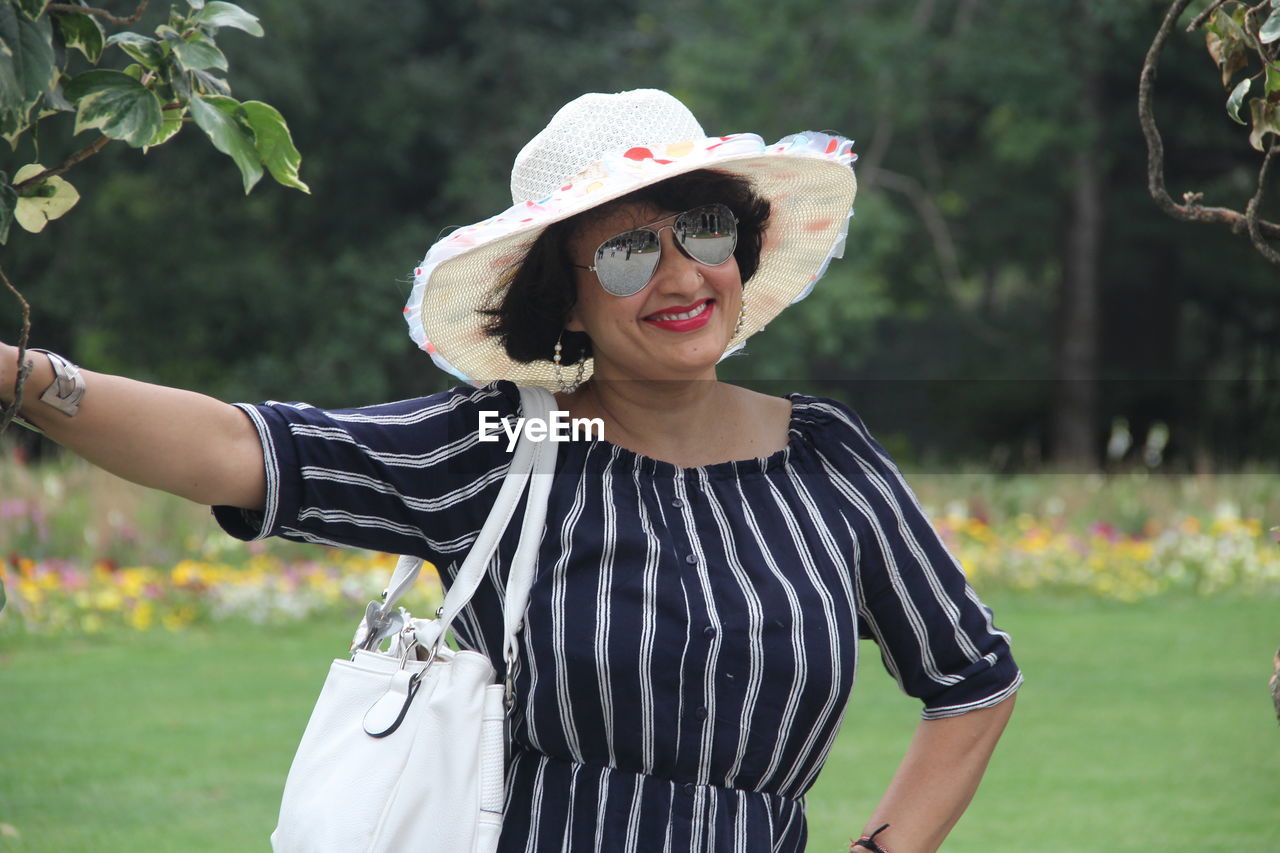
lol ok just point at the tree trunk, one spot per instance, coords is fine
(1073, 434)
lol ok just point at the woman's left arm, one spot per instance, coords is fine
(937, 779)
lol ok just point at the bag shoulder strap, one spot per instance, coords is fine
(531, 460)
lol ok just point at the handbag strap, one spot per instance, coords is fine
(520, 578)
(532, 461)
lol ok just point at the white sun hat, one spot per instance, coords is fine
(598, 148)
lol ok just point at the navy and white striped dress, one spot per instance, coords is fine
(691, 636)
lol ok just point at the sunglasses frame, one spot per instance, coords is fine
(657, 233)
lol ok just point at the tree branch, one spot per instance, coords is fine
(870, 160)
(1191, 210)
(944, 247)
(100, 13)
(7, 413)
(1198, 21)
(72, 159)
(1251, 212)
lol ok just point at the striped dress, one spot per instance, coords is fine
(692, 633)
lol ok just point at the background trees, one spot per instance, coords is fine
(1009, 287)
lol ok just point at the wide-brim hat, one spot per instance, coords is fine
(596, 149)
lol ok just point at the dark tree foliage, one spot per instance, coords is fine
(977, 124)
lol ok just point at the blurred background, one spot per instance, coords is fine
(1010, 296)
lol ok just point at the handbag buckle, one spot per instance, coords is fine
(376, 627)
(509, 681)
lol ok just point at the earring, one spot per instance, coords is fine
(742, 318)
(566, 387)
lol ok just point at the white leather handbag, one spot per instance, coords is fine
(406, 748)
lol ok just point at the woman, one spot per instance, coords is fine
(691, 636)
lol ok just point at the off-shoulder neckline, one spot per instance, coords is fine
(804, 416)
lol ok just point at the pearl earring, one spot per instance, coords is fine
(566, 387)
(742, 318)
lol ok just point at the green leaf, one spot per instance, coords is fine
(1273, 78)
(274, 144)
(33, 9)
(219, 14)
(142, 48)
(1225, 42)
(1265, 117)
(116, 104)
(27, 66)
(209, 84)
(222, 118)
(180, 82)
(196, 4)
(45, 202)
(8, 202)
(1236, 99)
(172, 124)
(1270, 30)
(82, 32)
(55, 102)
(1228, 26)
(198, 53)
(12, 126)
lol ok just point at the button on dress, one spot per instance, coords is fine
(690, 641)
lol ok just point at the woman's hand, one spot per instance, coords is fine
(165, 438)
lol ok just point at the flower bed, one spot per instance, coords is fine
(58, 595)
(81, 550)
(1228, 555)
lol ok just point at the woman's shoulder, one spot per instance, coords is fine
(825, 416)
(464, 403)
(822, 421)
(449, 421)
(837, 431)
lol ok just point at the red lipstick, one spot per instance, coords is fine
(703, 308)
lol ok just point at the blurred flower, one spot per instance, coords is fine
(49, 595)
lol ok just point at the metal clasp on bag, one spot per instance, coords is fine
(509, 683)
(378, 626)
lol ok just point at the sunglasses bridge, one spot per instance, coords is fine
(612, 273)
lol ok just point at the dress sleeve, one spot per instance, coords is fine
(935, 636)
(412, 477)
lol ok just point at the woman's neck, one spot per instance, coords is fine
(682, 421)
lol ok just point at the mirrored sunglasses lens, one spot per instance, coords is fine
(708, 233)
(625, 263)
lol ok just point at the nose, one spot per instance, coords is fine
(676, 270)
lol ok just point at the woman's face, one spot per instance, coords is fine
(638, 336)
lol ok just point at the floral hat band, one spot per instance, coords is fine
(599, 148)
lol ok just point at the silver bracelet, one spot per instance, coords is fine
(68, 386)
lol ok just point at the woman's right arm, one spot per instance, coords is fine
(165, 438)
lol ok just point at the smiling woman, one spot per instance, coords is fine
(538, 291)
(675, 325)
(690, 639)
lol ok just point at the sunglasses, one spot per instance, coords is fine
(626, 262)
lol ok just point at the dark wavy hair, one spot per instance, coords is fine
(533, 299)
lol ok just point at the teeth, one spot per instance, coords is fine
(663, 318)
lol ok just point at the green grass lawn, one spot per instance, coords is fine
(1141, 727)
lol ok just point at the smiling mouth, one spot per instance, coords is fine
(681, 315)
